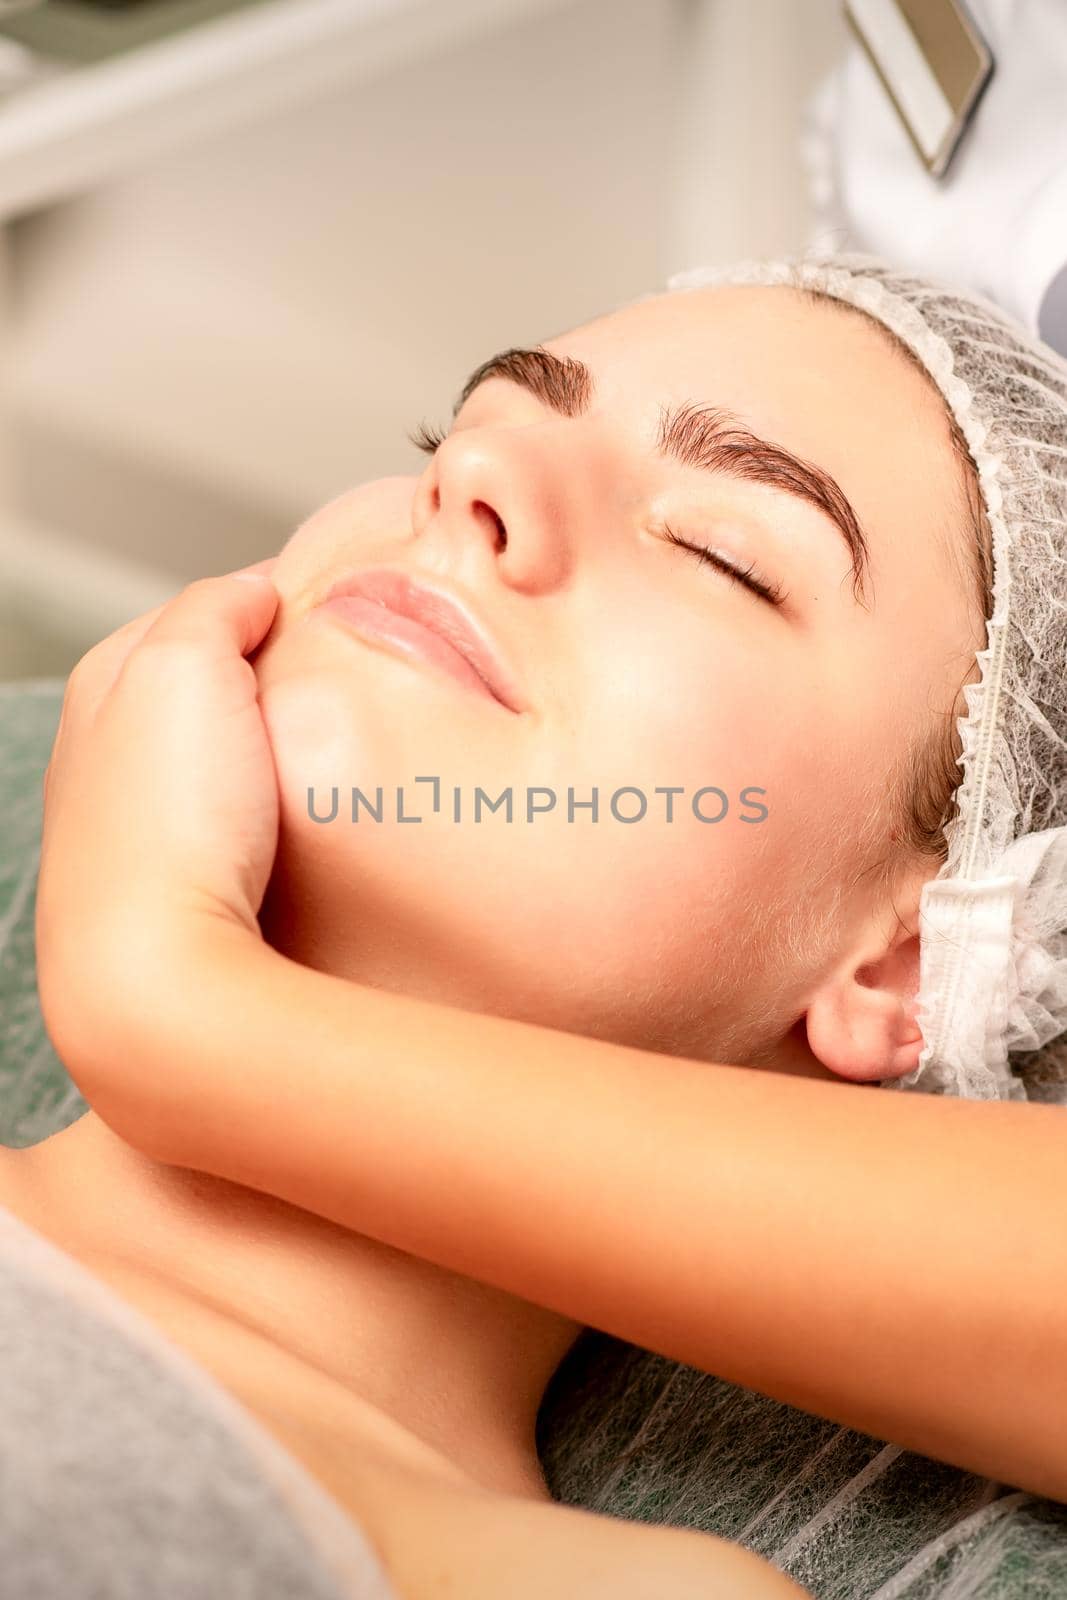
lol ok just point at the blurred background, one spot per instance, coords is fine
(245, 246)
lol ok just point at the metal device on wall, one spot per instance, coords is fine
(935, 66)
(995, 219)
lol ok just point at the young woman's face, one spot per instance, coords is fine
(639, 668)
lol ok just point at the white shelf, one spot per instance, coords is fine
(82, 126)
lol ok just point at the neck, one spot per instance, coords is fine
(459, 1364)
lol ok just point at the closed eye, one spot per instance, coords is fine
(430, 439)
(773, 593)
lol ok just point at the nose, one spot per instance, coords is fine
(514, 492)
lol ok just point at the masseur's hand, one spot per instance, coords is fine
(160, 805)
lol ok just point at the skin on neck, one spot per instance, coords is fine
(458, 1363)
(709, 669)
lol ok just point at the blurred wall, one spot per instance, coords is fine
(200, 356)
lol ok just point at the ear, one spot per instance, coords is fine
(861, 1021)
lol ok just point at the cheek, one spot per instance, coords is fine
(686, 709)
(325, 735)
(362, 525)
(657, 909)
(310, 731)
(710, 707)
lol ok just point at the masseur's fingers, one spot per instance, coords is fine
(215, 613)
(161, 809)
(99, 667)
(94, 675)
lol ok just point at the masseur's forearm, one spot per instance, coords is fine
(894, 1262)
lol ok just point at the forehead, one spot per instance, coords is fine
(816, 378)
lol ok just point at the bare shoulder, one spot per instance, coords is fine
(582, 1553)
(439, 1533)
(485, 1545)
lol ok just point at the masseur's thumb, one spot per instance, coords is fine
(233, 611)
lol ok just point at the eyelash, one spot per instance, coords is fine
(429, 439)
(773, 593)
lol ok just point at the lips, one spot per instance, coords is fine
(459, 643)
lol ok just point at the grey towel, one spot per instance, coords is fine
(128, 1473)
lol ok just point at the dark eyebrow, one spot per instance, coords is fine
(710, 438)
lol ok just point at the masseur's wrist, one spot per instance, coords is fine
(141, 1064)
